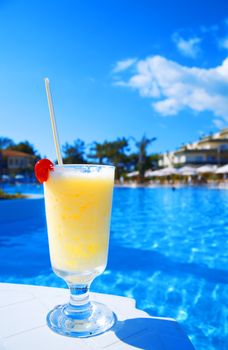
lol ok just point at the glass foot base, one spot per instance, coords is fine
(99, 320)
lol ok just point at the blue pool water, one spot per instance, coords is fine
(168, 250)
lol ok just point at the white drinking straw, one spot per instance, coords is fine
(53, 122)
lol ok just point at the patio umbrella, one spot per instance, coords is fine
(169, 171)
(150, 173)
(222, 170)
(132, 174)
(162, 172)
(207, 169)
(166, 172)
(5, 177)
(187, 171)
(19, 177)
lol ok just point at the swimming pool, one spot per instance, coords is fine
(168, 250)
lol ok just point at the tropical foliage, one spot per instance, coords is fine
(23, 146)
(4, 195)
(126, 154)
(75, 153)
(118, 153)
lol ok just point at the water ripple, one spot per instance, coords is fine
(168, 250)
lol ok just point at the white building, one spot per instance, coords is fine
(14, 160)
(212, 149)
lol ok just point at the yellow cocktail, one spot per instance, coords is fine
(78, 200)
(78, 205)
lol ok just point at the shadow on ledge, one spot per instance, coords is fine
(152, 334)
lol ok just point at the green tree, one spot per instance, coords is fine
(97, 151)
(111, 152)
(116, 150)
(74, 154)
(144, 162)
(5, 142)
(25, 147)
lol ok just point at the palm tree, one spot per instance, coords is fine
(74, 154)
(5, 142)
(111, 152)
(143, 158)
(24, 146)
(97, 152)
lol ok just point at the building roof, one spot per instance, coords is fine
(224, 131)
(12, 153)
(213, 140)
(201, 150)
(218, 137)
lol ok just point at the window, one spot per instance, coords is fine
(223, 147)
(211, 158)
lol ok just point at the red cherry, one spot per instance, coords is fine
(42, 169)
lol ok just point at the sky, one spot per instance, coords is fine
(116, 68)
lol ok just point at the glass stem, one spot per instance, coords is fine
(79, 305)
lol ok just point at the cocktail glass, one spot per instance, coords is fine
(78, 200)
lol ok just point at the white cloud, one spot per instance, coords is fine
(220, 124)
(187, 47)
(224, 43)
(123, 65)
(210, 29)
(173, 87)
